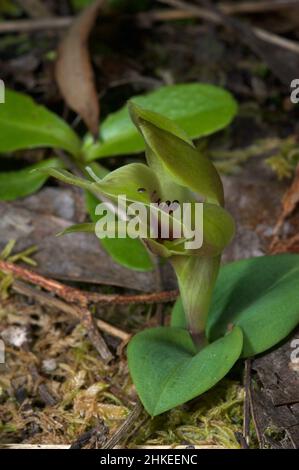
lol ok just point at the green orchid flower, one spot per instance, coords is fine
(176, 174)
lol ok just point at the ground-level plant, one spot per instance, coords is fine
(223, 314)
(26, 125)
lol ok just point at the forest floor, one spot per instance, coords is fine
(54, 387)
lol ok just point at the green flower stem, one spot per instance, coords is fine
(196, 276)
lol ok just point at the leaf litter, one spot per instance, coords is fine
(87, 392)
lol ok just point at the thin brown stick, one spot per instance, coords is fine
(41, 24)
(46, 299)
(95, 437)
(93, 333)
(81, 313)
(79, 301)
(216, 17)
(113, 331)
(45, 394)
(56, 23)
(240, 438)
(246, 413)
(124, 428)
(155, 297)
(259, 432)
(257, 6)
(70, 294)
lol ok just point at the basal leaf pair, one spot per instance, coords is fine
(25, 124)
(251, 306)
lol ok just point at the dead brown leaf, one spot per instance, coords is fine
(289, 242)
(289, 202)
(291, 198)
(74, 72)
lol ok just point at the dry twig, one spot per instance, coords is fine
(216, 17)
(260, 6)
(70, 295)
(247, 386)
(77, 301)
(41, 24)
(124, 428)
(46, 299)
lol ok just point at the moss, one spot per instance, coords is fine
(212, 419)
(87, 391)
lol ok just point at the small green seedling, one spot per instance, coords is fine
(24, 124)
(248, 308)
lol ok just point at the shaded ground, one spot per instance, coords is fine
(53, 387)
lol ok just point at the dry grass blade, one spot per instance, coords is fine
(74, 72)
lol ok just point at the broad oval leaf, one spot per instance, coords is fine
(25, 124)
(21, 183)
(167, 371)
(199, 109)
(260, 295)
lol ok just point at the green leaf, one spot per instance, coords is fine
(21, 183)
(168, 372)
(178, 317)
(260, 295)
(168, 185)
(25, 124)
(184, 163)
(139, 184)
(218, 229)
(67, 177)
(135, 180)
(87, 227)
(137, 112)
(80, 4)
(199, 109)
(128, 252)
